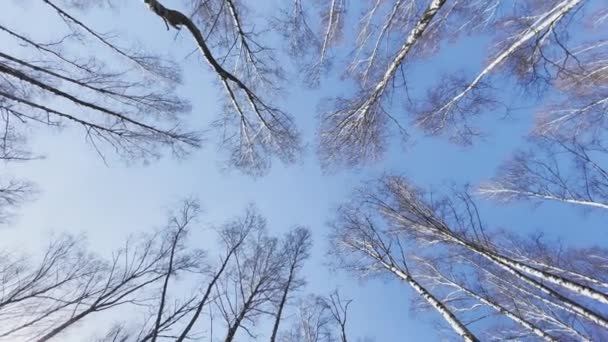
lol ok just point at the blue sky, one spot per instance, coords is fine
(80, 194)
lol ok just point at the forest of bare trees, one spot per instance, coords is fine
(476, 278)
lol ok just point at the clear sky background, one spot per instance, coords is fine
(80, 194)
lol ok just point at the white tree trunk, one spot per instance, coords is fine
(415, 33)
(564, 301)
(577, 288)
(516, 269)
(489, 191)
(545, 317)
(449, 317)
(546, 20)
(504, 311)
(452, 320)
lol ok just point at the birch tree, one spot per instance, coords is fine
(439, 224)
(295, 250)
(542, 311)
(354, 130)
(313, 322)
(254, 130)
(559, 169)
(451, 106)
(246, 292)
(584, 86)
(361, 246)
(70, 284)
(125, 109)
(458, 291)
(531, 45)
(319, 319)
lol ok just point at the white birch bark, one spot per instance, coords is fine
(496, 190)
(540, 314)
(449, 317)
(416, 32)
(572, 286)
(544, 22)
(564, 301)
(445, 312)
(494, 305)
(516, 269)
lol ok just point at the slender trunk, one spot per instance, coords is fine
(545, 300)
(237, 323)
(203, 301)
(584, 277)
(565, 301)
(515, 267)
(450, 318)
(330, 24)
(163, 295)
(412, 38)
(277, 320)
(572, 286)
(500, 309)
(385, 27)
(531, 194)
(549, 19)
(181, 19)
(55, 331)
(513, 316)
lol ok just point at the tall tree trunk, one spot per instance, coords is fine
(567, 303)
(449, 317)
(237, 323)
(412, 38)
(55, 331)
(499, 308)
(547, 20)
(277, 320)
(547, 197)
(513, 265)
(572, 286)
(203, 301)
(528, 293)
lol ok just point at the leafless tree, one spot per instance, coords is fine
(360, 245)
(467, 298)
(35, 294)
(253, 280)
(254, 130)
(246, 292)
(447, 230)
(120, 108)
(295, 250)
(451, 106)
(319, 319)
(559, 168)
(354, 130)
(339, 311)
(313, 322)
(69, 284)
(584, 83)
(133, 270)
(233, 236)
